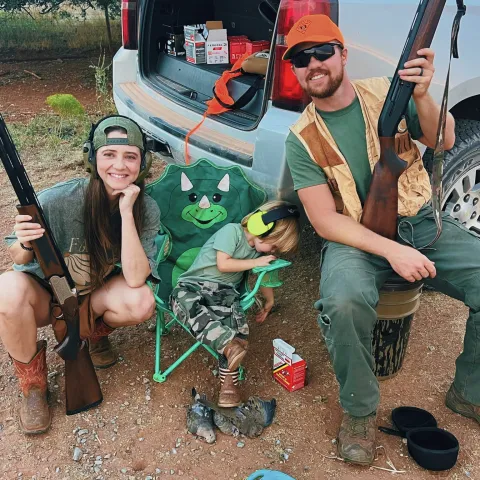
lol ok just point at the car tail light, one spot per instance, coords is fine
(286, 92)
(129, 25)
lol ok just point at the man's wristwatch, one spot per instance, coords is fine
(28, 249)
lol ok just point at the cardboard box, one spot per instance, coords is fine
(289, 369)
(206, 43)
(237, 45)
(217, 43)
(195, 43)
(256, 46)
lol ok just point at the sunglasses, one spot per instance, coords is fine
(320, 52)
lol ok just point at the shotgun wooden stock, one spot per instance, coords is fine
(381, 205)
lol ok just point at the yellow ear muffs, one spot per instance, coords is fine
(256, 226)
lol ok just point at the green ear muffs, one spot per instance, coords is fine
(261, 223)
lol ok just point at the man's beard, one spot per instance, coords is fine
(327, 90)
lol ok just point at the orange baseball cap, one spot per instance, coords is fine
(312, 29)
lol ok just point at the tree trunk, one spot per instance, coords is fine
(109, 28)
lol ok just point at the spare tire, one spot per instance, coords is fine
(461, 175)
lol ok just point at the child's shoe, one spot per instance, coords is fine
(235, 352)
(229, 395)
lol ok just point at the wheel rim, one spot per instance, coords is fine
(463, 199)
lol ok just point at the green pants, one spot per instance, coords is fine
(349, 285)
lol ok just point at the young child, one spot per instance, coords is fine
(207, 298)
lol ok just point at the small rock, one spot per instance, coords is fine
(240, 444)
(98, 462)
(180, 472)
(172, 472)
(148, 398)
(148, 477)
(141, 439)
(157, 471)
(174, 451)
(139, 421)
(83, 440)
(96, 469)
(215, 373)
(126, 404)
(107, 456)
(124, 470)
(84, 431)
(178, 442)
(146, 380)
(277, 442)
(77, 454)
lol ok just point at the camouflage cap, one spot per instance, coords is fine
(134, 134)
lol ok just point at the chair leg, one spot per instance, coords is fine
(158, 344)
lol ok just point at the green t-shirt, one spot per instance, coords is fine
(230, 239)
(347, 127)
(62, 205)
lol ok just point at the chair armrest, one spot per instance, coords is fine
(275, 265)
(271, 280)
(163, 243)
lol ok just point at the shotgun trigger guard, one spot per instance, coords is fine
(402, 125)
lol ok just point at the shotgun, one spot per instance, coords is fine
(381, 205)
(82, 389)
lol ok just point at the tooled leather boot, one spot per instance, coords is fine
(235, 352)
(34, 413)
(100, 348)
(229, 395)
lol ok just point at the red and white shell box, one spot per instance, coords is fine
(237, 45)
(256, 46)
(289, 369)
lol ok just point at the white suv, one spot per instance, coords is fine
(166, 94)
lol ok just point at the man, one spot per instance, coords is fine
(331, 152)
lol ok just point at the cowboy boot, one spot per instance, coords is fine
(229, 395)
(34, 414)
(235, 352)
(100, 348)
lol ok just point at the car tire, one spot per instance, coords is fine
(461, 175)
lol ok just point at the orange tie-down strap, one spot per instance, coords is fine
(222, 101)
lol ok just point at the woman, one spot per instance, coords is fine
(96, 222)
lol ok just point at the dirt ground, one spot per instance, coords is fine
(139, 431)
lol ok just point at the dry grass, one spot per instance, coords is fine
(21, 33)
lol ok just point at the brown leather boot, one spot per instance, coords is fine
(32, 376)
(229, 395)
(101, 350)
(356, 439)
(235, 352)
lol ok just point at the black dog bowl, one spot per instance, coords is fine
(433, 448)
(408, 418)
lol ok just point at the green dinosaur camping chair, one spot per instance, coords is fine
(195, 201)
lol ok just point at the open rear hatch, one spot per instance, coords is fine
(191, 84)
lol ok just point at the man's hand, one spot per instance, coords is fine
(127, 198)
(419, 71)
(410, 263)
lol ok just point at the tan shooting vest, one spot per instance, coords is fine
(414, 188)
